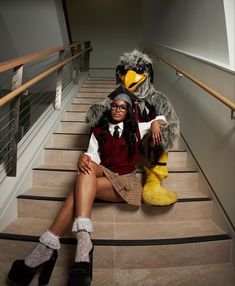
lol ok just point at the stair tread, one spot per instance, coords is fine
(125, 231)
(69, 167)
(62, 192)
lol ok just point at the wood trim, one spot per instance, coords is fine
(4, 66)
(39, 77)
(208, 89)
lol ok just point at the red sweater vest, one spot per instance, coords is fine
(115, 153)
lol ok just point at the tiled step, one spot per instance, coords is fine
(199, 275)
(73, 127)
(133, 257)
(105, 90)
(99, 95)
(91, 84)
(70, 158)
(101, 78)
(78, 100)
(175, 181)
(107, 212)
(68, 141)
(124, 231)
(79, 107)
(74, 116)
(65, 141)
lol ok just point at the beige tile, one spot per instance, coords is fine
(100, 89)
(74, 127)
(132, 257)
(94, 94)
(79, 100)
(69, 157)
(161, 230)
(76, 107)
(74, 116)
(194, 210)
(68, 141)
(205, 275)
(57, 179)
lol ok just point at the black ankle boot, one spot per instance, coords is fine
(23, 275)
(81, 273)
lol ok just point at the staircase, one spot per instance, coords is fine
(177, 245)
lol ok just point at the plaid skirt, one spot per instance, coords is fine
(128, 186)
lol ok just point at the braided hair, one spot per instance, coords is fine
(129, 130)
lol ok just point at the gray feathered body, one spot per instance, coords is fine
(145, 93)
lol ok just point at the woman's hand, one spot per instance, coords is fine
(84, 164)
(156, 131)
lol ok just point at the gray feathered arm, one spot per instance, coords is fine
(170, 130)
(96, 111)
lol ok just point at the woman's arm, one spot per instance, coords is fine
(84, 162)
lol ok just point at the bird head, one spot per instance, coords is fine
(135, 72)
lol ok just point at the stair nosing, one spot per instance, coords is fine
(125, 242)
(61, 199)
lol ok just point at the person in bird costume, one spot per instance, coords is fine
(134, 73)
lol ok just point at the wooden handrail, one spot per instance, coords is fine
(4, 66)
(36, 79)
(208, 89)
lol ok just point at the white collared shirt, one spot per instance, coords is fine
(144, 127)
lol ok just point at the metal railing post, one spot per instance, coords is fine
(87, 56)
(76, 66)
(14, 123)
(59, 82)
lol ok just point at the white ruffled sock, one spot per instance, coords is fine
(83, 227)
(44, 250)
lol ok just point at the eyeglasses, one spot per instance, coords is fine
(122, 108)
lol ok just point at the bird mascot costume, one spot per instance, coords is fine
(134, 74)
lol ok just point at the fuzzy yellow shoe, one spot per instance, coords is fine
(153, 192)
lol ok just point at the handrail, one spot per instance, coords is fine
(17, 88)
(4, 66)
(36, 79)
(208, 89)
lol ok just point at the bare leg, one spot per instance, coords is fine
(89, 187)
(64, 217)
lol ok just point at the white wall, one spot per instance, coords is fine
(229, 10)
(205, 122)
(194, 27)
(30, 26)
(112, 26)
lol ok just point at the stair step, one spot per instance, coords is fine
(175, 181)
(80, 100)
(105, 90)
(73, 127)
(148, 231)
(69, 140)
(100, 95)
(91, 84)
(70, 158)
(79, 107)
(131, 257)
(121, 212)
(101, 78)
(74, 116)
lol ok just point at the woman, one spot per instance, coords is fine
(107, 172)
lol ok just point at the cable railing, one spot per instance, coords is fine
(28, 86)
(214, 93)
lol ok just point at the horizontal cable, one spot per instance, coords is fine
(36, 79)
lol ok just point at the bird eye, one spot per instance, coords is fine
(122, 70)
(139, 70)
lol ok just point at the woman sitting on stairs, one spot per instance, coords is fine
(106, 171)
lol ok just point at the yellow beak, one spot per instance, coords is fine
(132, 80)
